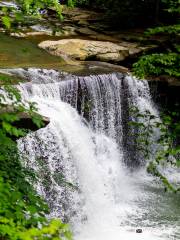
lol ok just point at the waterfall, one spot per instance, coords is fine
(80, 158)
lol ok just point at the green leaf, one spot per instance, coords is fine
(6, 22)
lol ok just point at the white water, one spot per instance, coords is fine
(108, 201)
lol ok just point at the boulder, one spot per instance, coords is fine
(80, 49)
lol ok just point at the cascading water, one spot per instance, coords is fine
(81, 157)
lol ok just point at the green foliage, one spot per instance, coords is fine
(8, 79)
(22, 216)
(6, 22)
(71, 3)
(34, 6)
(29, 10)
(167, 62)
(171, 29)
(22, 211)
(162, 148)
(158, 64)
(173, 5)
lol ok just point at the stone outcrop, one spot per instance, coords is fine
(80, 49)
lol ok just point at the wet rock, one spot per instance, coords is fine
(104, 67)
(42, 28)
(165, 79)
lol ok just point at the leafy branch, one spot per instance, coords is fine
(156, 138)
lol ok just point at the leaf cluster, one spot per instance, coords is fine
(168, 61)
(158, 64)
(27, 11)
(157, 140)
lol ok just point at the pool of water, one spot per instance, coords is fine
(144, 205)
(151, 209)
(15, 52)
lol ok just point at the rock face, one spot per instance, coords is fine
(79, 49)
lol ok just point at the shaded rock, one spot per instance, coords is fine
(139, 230)
(169, 80)
(85, 31)
(165, 93)
(103, 37)
(83, 23)
(78, 14)
(79, 49)
(65, 33)
(70, 29)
